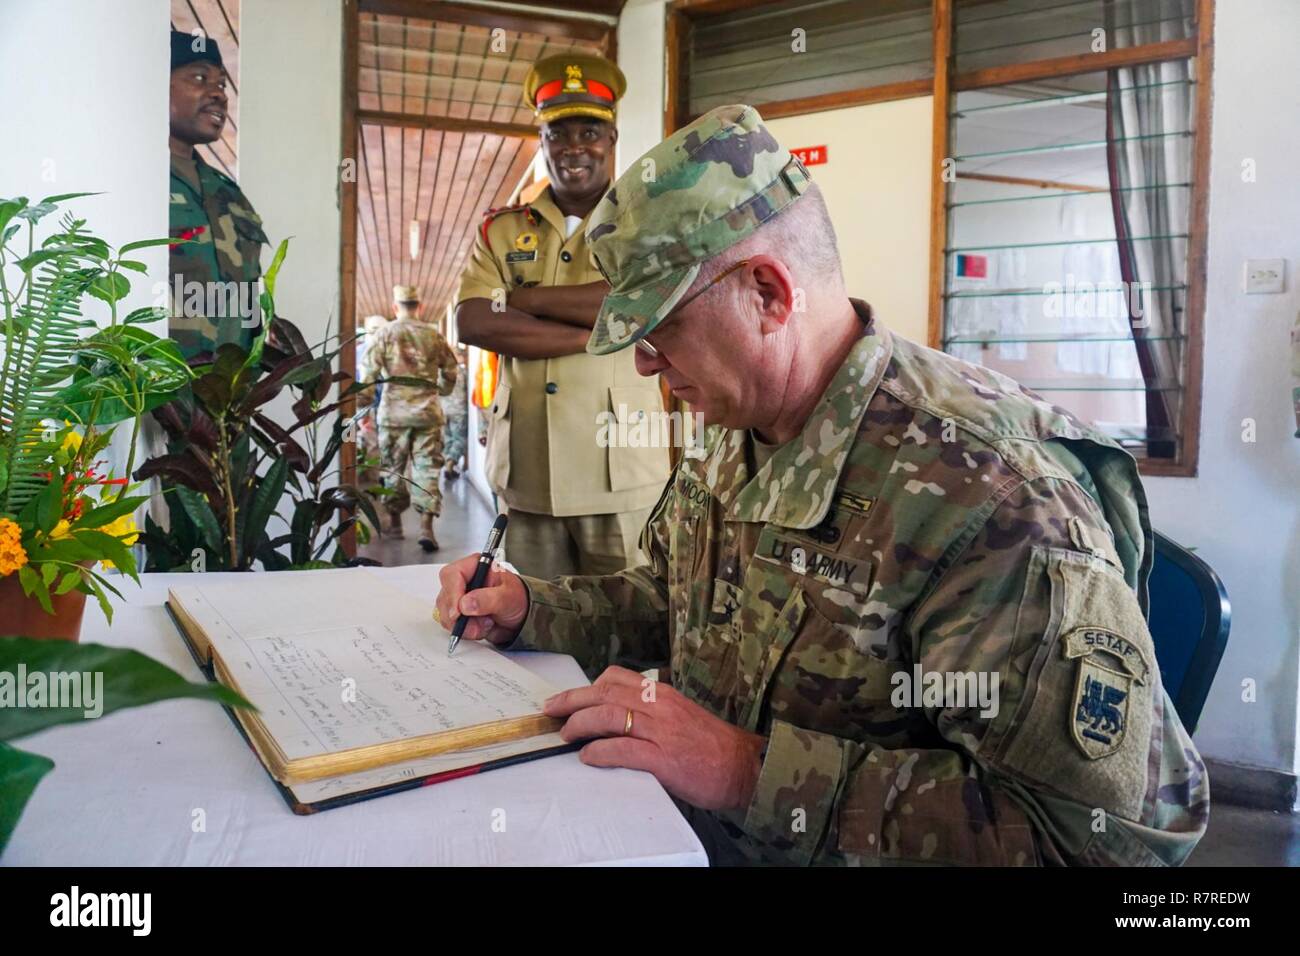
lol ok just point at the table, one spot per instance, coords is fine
(125, 787)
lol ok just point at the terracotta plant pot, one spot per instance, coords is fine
(23, 616)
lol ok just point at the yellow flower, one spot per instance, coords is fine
(12, 557)
(71, 441)
(10, 533)
(125, 530)
(60, 530)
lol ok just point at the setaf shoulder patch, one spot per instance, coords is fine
(1109, 665)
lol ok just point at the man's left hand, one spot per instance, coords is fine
(696, 756)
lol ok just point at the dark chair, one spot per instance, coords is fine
(1188, 617)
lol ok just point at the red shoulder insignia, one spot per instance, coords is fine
(491, 214)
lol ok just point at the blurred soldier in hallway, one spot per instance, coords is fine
(410, 415)
(456, 408)
(368, 402)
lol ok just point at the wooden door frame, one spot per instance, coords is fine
(549, 23)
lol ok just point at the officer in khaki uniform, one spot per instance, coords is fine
(531, 292)
(869, 516)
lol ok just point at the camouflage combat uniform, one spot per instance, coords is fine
(410, 416)
(1006, 550)
(932, 517)
(456, 408)
(218, 271)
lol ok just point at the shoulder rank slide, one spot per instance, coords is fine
(491, 214)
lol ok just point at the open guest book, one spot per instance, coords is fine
(356, 696)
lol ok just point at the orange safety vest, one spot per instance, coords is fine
(486, 375)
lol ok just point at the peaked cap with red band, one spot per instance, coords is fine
(574, 84)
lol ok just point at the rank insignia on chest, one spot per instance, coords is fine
(1110, 667)
(526, 241)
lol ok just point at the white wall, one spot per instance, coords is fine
(641, 58)
(876, 184)
(92, 118)
(290, 104)
(877, 188)
(1241, 513)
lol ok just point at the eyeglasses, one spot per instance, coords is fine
(649, 350)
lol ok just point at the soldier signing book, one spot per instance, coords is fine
(866, 510)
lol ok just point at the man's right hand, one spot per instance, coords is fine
(496, 610)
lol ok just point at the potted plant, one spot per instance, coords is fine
(231, 465)
(65, 384)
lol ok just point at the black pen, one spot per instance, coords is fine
(480, 576)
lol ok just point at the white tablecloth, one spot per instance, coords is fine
(125, 787)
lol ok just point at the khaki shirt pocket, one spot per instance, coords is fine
(1082, 725)
(638, 451)
(497, 466)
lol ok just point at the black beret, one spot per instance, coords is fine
(183, 51)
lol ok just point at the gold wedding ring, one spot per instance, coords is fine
(627, 724)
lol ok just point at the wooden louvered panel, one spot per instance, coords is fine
(218, 19)
(430, 68)
(443, 180)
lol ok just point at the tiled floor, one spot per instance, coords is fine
(462, 528)
(1236, 836)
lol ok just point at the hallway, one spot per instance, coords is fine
(462, 529)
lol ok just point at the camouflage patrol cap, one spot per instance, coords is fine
(697, 193)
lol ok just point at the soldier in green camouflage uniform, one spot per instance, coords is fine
(927, 516)
(214, 276)
(410, 415)
(456, 408)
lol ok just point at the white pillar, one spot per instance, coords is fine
(290, 106)
(641, 58)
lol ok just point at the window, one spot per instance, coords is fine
(1070, 176)
(813, 54)
(1068, 248)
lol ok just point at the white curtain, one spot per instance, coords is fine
(1149, 110)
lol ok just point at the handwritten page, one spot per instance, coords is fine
(338, 659)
